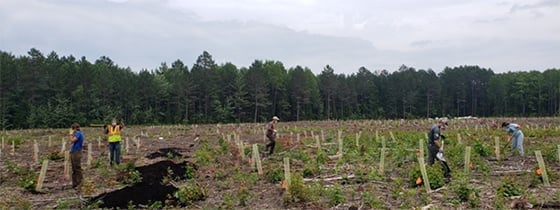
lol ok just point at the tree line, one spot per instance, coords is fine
(38, 91)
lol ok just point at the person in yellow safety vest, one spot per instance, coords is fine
(114, 138)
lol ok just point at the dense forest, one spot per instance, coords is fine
(38, 91)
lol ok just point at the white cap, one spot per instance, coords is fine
(275, 118)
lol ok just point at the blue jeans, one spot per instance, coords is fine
(517, 143)
(115, 153)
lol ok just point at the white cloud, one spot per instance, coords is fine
(505, 35)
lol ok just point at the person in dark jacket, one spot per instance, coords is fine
(435, 152)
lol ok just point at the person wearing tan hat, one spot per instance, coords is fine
(271, 135)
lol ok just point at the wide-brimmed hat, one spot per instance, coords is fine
(275, 118)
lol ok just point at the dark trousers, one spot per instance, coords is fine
(432, 157)
(115, 153)
(76, 161)
(271, 143)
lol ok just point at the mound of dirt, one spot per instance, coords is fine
(149, 190)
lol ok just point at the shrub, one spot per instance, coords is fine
(464, 192)
(190, 193)
(481, 148)
(335, 196)
(311, 170)
(28, 182)
(435, 175)
(274, 175)
(298, 191)
(509, 188)
(190, 171)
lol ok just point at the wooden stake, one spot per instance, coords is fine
(49, 144)
(287, 177)
(424, 174)
(459, 138)
(497, 147)
(421, 147)
(67, 165)
(291, 138)
(257, 159)
(543, 168)
(264, 135)
(392, 136)
(13, 147)
(322, 136)
(467, 168)
(126, 145)
(42, 175)
(340, 144)
(138, 142)
(376, 135)
(383, 142)
(2, 142)
(297, 138)
(382, 161)
(99, 142)
(63, 147)
(318, 142)
(241, 150)
(312, 134)
(35, 151)
(89, 157)
(358, 140)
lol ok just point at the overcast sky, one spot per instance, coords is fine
(504, 35)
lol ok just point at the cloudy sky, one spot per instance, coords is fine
(505, 35)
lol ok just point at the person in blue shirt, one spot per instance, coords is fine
(77, 140)
(516, 136)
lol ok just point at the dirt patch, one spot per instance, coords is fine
(165, 152)
(149, 190)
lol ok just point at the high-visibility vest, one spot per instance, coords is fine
(114, 133)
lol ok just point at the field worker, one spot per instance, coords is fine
(114, 138)
(516, 136)
(271, 135)
(434, 146)
(77, 140)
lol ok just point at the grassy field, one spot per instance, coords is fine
(212, 167)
